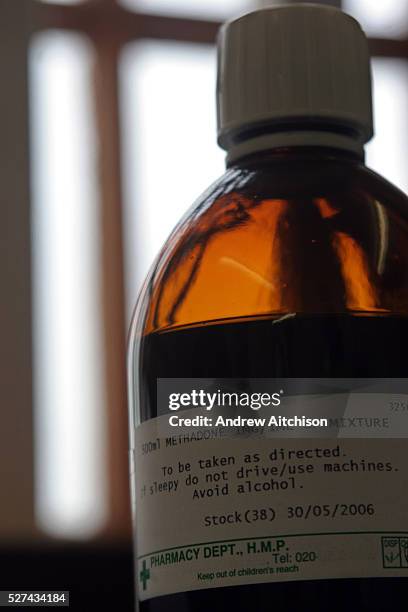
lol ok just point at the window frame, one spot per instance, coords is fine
(110, 27)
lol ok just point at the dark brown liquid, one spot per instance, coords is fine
(301, 346)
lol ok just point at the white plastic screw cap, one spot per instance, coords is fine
(293, 65)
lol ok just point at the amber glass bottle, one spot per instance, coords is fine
(294, 264)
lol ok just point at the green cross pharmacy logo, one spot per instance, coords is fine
(144, 575)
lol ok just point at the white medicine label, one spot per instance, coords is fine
(216, 511)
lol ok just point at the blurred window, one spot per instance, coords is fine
(69, 398)
(63, 1)
(380, 18)
(206, 9)
(168, 156)
(388, 151)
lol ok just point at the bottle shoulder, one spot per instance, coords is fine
(283, 237)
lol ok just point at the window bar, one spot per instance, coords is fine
(16, 421)
(112, 276)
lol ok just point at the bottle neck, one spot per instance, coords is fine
(298, 153)
(256, 143)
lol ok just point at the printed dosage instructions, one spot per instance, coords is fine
(218, 512)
